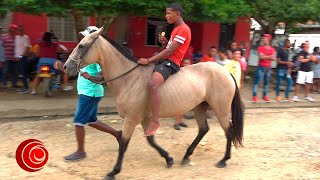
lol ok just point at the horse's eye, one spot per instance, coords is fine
(80, 46)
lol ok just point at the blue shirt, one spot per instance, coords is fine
(86, 87)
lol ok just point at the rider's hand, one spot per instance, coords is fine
(85, 75)
(163, 40)
(143, 61)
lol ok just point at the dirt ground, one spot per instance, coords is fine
(279, 144)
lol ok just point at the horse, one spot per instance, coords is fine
(196, 87)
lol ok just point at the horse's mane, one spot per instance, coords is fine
(124, 51)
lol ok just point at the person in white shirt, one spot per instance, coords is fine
(223, 60)
(21, 50)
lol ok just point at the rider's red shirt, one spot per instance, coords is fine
(182, 35)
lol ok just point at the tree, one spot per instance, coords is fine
(268, 13)
(107, 11)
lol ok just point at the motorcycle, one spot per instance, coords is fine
(50, 79)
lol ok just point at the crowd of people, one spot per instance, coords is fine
(20, 60)
(298, 68)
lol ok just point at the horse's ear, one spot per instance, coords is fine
(103, 31)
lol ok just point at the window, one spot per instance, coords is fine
(64, 28)
(154, 28)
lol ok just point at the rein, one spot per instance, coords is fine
(105, 81)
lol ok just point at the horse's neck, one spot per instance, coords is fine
(113, 65)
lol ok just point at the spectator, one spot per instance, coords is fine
(223, 57)
(211, 56)
(197, 56)
(2, 58)
(231, 47)
(21, 49)
(48, 55)
(233, 66)
(243, 64)
(189, 53)
(10, 63)
(305, 74)
(179, 121)
(267, 54)
(243, 48)
(284, 64)
(316, 70)
(62, 57)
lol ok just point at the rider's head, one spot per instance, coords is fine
(174, 12)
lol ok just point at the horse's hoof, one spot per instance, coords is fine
(221, 164)
(108, 178)
(185, 161)
(170, 163)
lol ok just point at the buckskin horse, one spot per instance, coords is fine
(196, 87)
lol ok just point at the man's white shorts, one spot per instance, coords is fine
(305, 77)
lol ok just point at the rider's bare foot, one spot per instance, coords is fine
(152, 128)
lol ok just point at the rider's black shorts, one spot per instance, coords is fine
(166, 68)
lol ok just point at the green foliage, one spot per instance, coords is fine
(196, 10)
(201, 10)
(270, 12)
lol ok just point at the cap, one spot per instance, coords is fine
(13, 26)
(268, 36)
(89, 30)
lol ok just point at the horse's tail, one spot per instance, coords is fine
(237, 116)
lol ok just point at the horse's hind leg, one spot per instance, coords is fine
(161, 151)
(200, 116)
(223, 116)
(222, 162)
(127, 132)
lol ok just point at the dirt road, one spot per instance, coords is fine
(279, 144)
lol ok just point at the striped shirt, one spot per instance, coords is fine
(8, 45)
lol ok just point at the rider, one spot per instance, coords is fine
(168, 61)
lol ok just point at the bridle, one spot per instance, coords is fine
(84, 52)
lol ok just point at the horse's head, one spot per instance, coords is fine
(85, 53)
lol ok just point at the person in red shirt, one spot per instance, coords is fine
(211, 56)
(48, 55)
(168, 60)
(267, 54)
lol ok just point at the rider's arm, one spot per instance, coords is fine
(165, 53)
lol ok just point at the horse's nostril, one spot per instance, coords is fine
(64, 67)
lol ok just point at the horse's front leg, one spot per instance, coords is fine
(127, 132)
(152, 142)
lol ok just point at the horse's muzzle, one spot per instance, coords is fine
(70, 67)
